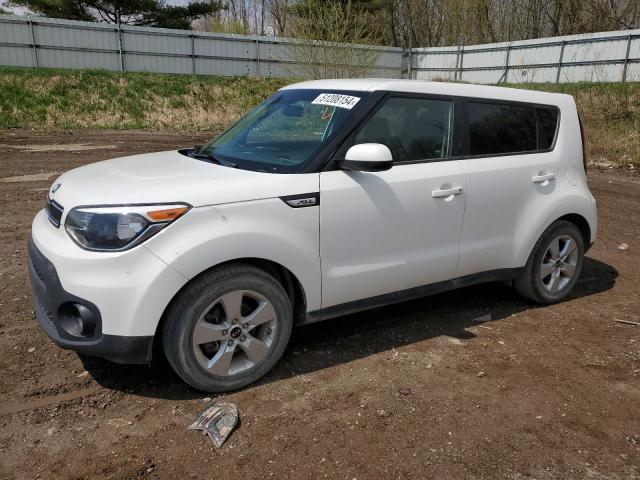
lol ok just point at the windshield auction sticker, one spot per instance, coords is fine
(336, 100)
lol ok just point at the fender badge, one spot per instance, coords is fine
(56, 187)
(302, 200)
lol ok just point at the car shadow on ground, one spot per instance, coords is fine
(344, 339)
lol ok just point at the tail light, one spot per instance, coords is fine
(583, 136)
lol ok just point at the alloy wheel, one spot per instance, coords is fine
(235, 333)
(559, 263)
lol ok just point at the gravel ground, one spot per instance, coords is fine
(475, 383)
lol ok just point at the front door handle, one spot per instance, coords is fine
(543, 177)
(447, 192)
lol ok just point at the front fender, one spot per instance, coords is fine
(266, 229)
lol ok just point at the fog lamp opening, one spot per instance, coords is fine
(77, 320)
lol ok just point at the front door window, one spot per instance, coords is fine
(412, 128)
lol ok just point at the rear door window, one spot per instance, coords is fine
(498, 129)
(412, 128)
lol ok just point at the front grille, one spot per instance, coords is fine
(54, 212)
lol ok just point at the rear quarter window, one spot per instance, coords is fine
(496, 129)
(547, 126)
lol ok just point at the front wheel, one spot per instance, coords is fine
(554, 264)
(228, 328)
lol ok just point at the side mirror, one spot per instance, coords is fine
(368, 157)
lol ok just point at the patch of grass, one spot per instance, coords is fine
(63, 99)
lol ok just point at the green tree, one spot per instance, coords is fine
(154, 13)
(318, 20)
(336, 38)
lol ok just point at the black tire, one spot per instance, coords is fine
(194, 300)
(530, 284)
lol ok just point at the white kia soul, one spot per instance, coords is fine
(330, 197)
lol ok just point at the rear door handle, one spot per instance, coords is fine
(447, 192)
(543, 178)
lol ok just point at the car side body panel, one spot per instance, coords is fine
(263, 229)
(383, 232)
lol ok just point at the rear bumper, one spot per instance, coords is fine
(50, 298)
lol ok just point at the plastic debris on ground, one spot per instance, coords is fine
(217, 421)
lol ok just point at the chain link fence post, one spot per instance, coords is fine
(626, 60)
(119, 39)
(33, 44)
(257, 56)
(506, 64)
(560, 62)
(193, 54)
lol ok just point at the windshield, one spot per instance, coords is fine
(285, 131)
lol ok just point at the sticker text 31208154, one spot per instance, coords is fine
(336, 100)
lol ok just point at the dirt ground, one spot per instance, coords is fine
(475, 383)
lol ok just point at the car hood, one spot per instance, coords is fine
(170, 177)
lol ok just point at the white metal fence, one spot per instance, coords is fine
(45, 42)
(594, 57)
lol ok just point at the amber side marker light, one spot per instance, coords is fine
(167, 214)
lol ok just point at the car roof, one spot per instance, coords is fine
(434, 88)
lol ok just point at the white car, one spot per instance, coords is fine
(330, 197)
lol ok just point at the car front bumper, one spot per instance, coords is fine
(124, 294)
(48, 297)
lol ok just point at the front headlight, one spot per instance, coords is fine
(119, 228)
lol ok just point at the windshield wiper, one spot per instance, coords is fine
(212, 158)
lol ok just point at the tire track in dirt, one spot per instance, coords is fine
(18, 328)
(22, 406)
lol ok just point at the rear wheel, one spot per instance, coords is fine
(228, 328)
(554, 265)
